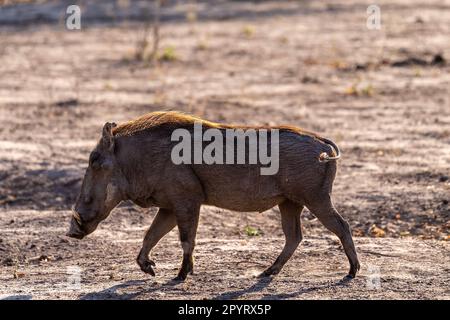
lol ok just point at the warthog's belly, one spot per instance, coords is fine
(245, 204)
(239, 188)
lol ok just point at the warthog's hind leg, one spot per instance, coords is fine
(324, 210)
(291, 224)
(163, 222)
(187, 220)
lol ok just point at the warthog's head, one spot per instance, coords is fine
(100, 191)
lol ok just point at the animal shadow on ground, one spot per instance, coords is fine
(135, 289)
(18, 297)
(263, 283)
(304, 290)
(259, 285)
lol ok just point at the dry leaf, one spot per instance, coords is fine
(376, 232)
(18, 274)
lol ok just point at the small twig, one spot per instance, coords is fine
(156, 21)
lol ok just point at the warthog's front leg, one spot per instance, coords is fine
(164, 222)
(291, 224)
(187, 220)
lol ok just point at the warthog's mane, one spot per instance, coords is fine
(175, 119)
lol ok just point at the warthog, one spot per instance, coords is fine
(133, 162)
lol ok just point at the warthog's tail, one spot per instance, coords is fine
(325, 157)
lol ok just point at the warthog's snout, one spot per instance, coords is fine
(80, 228)
(75, 230)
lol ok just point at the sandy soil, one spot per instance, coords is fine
(382, 95)
(226, 263)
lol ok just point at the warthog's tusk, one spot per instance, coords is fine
(77, 217)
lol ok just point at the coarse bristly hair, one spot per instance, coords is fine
(179, 119)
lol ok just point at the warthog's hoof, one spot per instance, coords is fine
(269, 272)
(179, 278)
(146, 266)
(348, 278)
(353, 271)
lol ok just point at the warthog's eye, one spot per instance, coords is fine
(95, 156)
(87, 199)
(94, 159)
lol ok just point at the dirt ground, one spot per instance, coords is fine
(382, 95)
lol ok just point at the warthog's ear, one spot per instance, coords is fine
(107, 135)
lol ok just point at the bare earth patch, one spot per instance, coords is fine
(226, 266)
